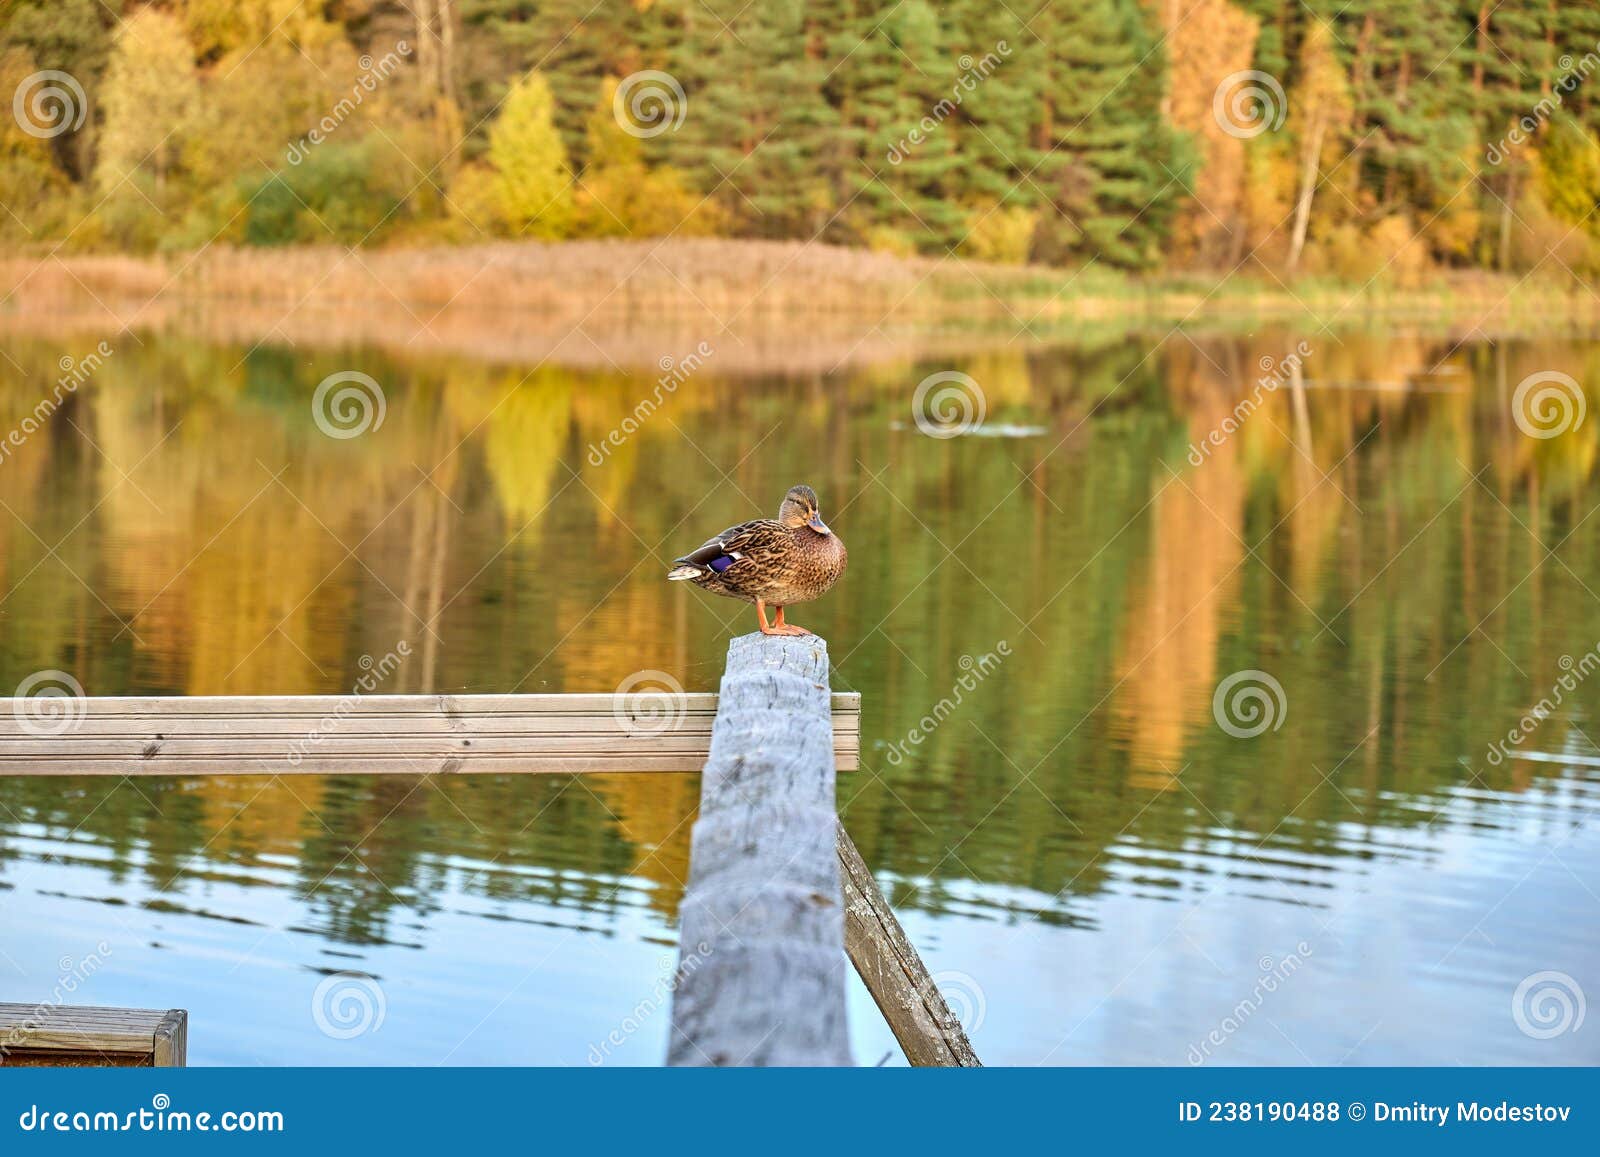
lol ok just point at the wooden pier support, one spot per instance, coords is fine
(889, 966)
(761, 977)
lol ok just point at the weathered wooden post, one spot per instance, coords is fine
(761, 977)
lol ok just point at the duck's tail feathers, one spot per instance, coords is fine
(679, 573)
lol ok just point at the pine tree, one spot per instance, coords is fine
(576, 44)
(915, 188)
(1111, 170)
(1509, 66)
(999, 147)
(1575, 38)
(757, 120)
(1281, 28)
(862, 89)
(1410, 99)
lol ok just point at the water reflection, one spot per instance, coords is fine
(1078, 838)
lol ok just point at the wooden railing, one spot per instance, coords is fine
(777, 892)
(373, 734)
(65, 1036)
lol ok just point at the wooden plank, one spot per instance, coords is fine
(72, 1035)
(453, 707)
(761, 976)
(369, 746)
(377, 734)
(316, 706)
(210, 727)
(893, 972)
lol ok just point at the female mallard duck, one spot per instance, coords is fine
(793, 558)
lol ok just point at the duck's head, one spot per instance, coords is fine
(800, 509)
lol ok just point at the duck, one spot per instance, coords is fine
(793, 558)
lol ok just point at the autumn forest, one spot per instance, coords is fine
(1352, 141)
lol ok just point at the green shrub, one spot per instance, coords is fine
(340, 193)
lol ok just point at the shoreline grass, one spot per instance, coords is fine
(805, 307)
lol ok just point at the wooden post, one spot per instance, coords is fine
(761, 977)
(910, 1001)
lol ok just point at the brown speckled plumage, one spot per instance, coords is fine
(790, 559)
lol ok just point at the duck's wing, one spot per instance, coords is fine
(725, 550)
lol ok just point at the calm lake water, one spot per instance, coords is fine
(1101, 863)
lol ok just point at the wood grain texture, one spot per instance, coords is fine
(383, 734)
(888, 963)
(69, 1035)
(761, 977)
(172, 1040)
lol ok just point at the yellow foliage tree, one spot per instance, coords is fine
(533, 182)
(218, 27)
(149, 98)
(1208, 40)
(999, 233)
(32, 185)
(619, 196)
(1568, 173)
(1321, 109)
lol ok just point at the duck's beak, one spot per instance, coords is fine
(815, 523)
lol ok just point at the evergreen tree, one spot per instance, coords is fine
(574, 43)
(1111, 170)
(1281, 28)
(913, 191)
(1575, 40)
(862, 88)
(999, 148)
(757, 121)
(1510, 61)
(1410, 99)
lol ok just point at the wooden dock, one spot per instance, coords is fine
(73, 1036)
(777, 895)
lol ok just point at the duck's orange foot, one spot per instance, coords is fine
(777, 626)
(787, 628)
